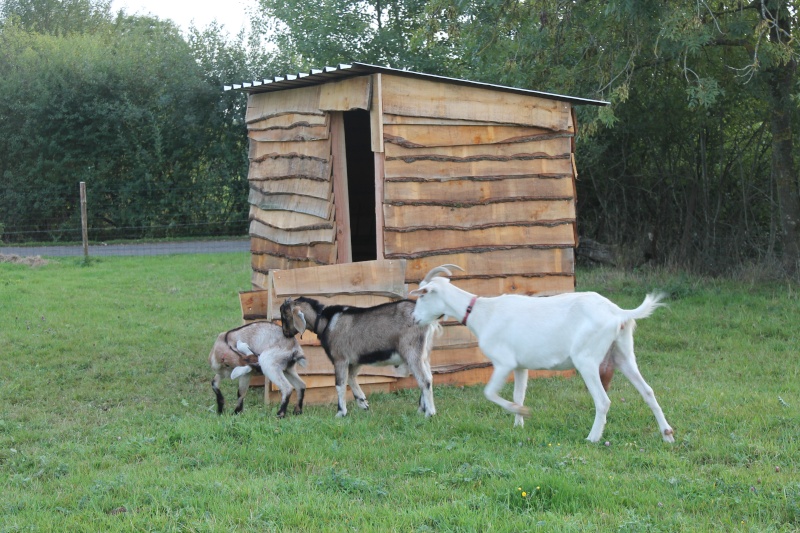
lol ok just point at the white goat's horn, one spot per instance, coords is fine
(442, 269)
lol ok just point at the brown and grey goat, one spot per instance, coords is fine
(259, 346)
(354, 336)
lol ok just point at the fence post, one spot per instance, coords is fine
(84, 225)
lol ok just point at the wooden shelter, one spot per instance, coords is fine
(363, 178)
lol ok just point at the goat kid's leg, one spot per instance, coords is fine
(220, 399)
(358, 394)
(626, 362)
(520, 386)
(494, 385)
(244, 385)
(299, 385)
(275, 374)
(341, 377)
(590, 372)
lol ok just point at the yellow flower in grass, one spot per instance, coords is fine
(524, 494)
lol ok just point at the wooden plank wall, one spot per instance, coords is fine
(292, 209)
(482, 179)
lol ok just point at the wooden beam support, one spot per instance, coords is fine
(341, 198)
(379, 218)
(376, 115)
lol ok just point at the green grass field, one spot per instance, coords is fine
(107, 420)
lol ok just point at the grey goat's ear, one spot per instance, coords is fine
(299, 320)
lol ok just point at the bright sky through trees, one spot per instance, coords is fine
(231, 13)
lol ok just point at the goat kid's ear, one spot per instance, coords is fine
(299, 320)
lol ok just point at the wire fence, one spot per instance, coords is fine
(199, 246)
(157, 230)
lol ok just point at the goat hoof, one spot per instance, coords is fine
(281, 415)
(298, 411)
(523, 411)
(668, 435)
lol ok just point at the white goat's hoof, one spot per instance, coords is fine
(522, 411)
(519, 421)
(341, 414)
(668, 435)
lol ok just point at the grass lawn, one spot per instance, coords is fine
(107, 420)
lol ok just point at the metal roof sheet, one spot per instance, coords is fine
(343, 71)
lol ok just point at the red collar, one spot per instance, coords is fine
(469, 310)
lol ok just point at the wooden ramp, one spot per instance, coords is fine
(455, 359)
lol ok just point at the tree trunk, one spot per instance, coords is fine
(781, 80)
(783, 169)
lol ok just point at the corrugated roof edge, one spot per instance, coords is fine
(342, 71)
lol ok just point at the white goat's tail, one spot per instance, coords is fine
(651, 302)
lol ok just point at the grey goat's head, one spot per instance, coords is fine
(292, 319)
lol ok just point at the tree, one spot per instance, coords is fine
(56, 17)
(125, 108)
(380, 32)
(688, 82)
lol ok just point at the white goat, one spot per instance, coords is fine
(275, 356)
(517, 333)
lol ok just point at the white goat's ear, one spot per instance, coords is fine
(299, 320)
(419, 292)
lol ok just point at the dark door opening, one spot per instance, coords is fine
(360, 185)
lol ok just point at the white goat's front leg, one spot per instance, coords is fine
(496, 382)
(520, 386)
(341, 377)
(358, 394)
(590, 372)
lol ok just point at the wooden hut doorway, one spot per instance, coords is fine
(360, 185)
